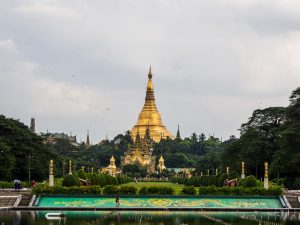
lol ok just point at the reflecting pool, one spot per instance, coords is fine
(150, 218)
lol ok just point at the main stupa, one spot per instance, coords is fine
(150, 118)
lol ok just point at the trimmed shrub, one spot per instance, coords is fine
(233, 175)
(45, 189)
(111, 190)
(143, 191)
(250, 181)
(212, 190)
(81, 174)
(191, 190)
(7, 184)
(70, 180)
(221, 179)
(156, 190)
(129, 190)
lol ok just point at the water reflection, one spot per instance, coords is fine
(151, 218)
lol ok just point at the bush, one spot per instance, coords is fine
(221, 179)
(157, 190)
(212, 190)
(250, 181)
(128, 190)
(70, 180)
(191, 190)
(45, 189)
(233, 175)
(143, 191)
(81, 174)
(111, 190)
(7, 184)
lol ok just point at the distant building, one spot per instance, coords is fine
(32, 125)
(51, 138)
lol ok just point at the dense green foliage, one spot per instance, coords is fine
(272, 135)
(124, 189)
(81, 174)
(206, 180)
(10, 184)
(189, 190)
(70, 180)
(45, 189)
(156, 190)
(213, 190)
(105, 179)
(19, 147)
(250, 181)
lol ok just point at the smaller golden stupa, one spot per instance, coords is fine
(161, 164)
(150, 118)
(111, 169)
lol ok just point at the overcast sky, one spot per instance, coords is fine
(82, 65)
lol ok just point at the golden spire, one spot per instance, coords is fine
(112, 159)
(149, 117)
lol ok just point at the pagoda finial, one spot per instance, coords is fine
(150, 73)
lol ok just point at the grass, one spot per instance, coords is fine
(139, 185)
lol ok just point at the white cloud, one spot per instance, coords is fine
(68, 61)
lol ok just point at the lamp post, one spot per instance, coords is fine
(63, 168)
(29, 157)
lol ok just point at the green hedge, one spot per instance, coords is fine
(114, 189)
(191, 190)
(7, 184)
(156, 190)
(70, 181)
(213, 190)
(105, 179)
(45, 189)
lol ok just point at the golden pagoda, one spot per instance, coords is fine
(140, 152)
(150, 118)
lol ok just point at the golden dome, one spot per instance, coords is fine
(150, 118)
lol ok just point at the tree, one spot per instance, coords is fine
(287, 159)
(18, 145)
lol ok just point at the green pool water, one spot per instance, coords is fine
(161, 202)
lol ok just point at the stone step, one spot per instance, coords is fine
(293, 200)
(7, 201)
(25, 200)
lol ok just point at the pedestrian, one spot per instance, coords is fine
(117, 201)
(16, 184)
(33, 183)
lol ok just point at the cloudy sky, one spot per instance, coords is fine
(77, 65)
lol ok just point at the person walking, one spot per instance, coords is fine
(117, 201)
(16, 184)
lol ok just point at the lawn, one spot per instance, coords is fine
(139, 185)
